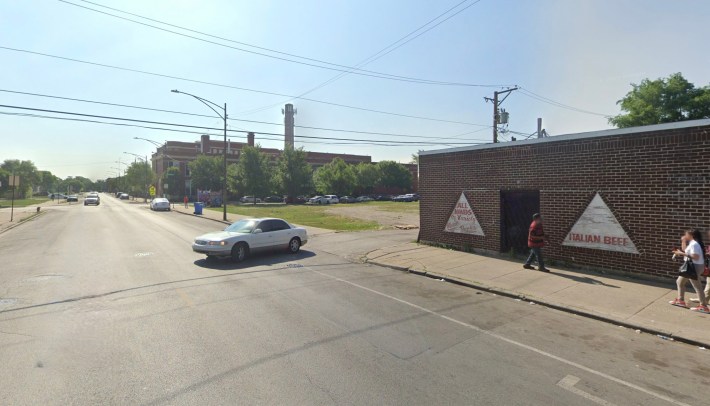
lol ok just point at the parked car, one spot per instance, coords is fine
(160, 203)
(274, 199)
(250, 199)
(348, 199)
(57, 196)
(409, 197)
(72, 198)
(92, 199)
(118, 194)
(251, 235)
(383, 198)
(301, 199)
(364, 199)
(318, 200)
(124, 196)
(332, 198)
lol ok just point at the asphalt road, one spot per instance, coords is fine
(109, 305)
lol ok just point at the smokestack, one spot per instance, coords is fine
(250, 139)
(289, 122)
(204, 142)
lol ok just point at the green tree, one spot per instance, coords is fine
(138, 176)
(252, 174)
(336, 177)
(394, 176)
(175, 181)
(206, 173)
(366, 177)
(29, 175)
(664, 100)
(293, 175)
(48, 182)
(415, 159)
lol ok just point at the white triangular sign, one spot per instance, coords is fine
(463, 220)
(598, 228)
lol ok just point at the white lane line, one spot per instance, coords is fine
(568, 382)
(509, 341)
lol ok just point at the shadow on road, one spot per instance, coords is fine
(253, 260)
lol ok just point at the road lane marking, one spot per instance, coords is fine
(508, 340)
(185, 298)
(568, 382)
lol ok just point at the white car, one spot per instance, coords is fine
(160, 203)
(332, 198)
(318, 200)
(251, 235)
(92, 199)
(250, 199)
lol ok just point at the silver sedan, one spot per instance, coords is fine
(251, 235)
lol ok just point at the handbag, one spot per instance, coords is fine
(687, 270)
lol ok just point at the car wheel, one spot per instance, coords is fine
(294, 245)
(239, 252)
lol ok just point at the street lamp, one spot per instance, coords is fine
(118, 171)
(145, 174)
(224, 149)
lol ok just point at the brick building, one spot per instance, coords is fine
(615, 199)
(180, 154)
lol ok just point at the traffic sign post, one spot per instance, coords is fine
(14, 181)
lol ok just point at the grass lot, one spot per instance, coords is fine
(400, 207)
(314, 216)
(22, 202)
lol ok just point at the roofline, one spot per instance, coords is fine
(577, 136)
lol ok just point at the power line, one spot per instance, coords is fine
(544, 99)
(379, 54)
(336, 68)
(375, 142)
(209, 116)
(237, 87)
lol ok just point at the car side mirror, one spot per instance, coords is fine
(257, 231)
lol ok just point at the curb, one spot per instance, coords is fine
(570, 310)
(201, 217)
(24, 220)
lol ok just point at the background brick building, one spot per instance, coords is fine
(655, 179)
(179, 154)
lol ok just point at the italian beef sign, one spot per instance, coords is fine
(463, 220)
(598, 228)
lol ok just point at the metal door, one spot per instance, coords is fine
(516, 210)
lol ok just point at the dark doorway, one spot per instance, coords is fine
(516, 210)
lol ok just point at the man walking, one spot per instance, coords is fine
(536, 240)
(185, 200)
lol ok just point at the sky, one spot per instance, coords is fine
(581, 53)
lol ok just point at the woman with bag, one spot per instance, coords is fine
(693, 253)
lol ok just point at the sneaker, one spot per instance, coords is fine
(700, 309)
(526, 266)
(543, 269)
(678, 302)
(695, 300)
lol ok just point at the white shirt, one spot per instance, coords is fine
(694, 248)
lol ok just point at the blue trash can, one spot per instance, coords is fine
(198, 208)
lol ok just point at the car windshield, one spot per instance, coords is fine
(242, 226)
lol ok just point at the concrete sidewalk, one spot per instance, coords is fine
(231, 217)
(625, 301)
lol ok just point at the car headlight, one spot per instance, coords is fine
(216, 243)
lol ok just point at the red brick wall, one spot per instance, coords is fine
(646, 179)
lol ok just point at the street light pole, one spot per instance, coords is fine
(224, 148)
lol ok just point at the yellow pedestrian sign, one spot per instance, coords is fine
(152, 191)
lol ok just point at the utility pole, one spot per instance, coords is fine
(496, 112)
(539, 127)
(224, 184)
